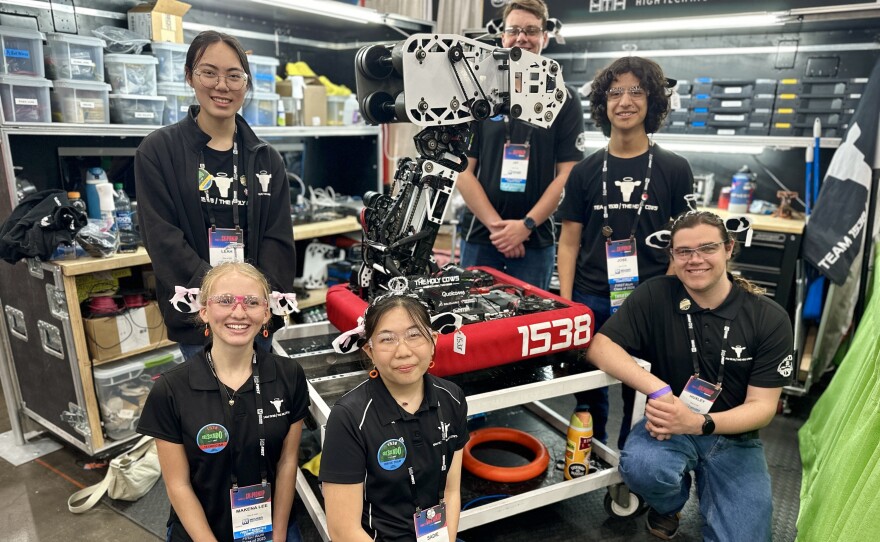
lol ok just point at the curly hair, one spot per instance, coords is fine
(692, 219)
(651, 79)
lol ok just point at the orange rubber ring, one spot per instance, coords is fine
(505, 474)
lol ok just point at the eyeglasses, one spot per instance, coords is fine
(530, 31)
(684, 254)
(210, 79)
(247, 302)
(389, 341)
(616, 93)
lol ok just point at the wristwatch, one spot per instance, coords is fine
(530, 223)
(708, 425)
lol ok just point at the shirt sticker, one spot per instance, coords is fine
(212, 438)
(785, 366)
(264, 178)
(391, 454)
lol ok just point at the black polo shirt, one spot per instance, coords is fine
(365, 423)
(186, 401)
(652, 325)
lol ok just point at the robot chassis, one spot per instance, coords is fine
(444, 83)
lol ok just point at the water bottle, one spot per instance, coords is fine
(107, 209)
(76, 202)
(127, 239)
(350, 111)
(94, 177)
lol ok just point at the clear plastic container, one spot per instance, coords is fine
(179, 97)
(136, 109)
(263, 70)
(261, 109)
(22, 52)
(79, 58)
(132, 74)
(172, 59)
(25, 99)
(336, 110)
(83, 102)
(122, 388)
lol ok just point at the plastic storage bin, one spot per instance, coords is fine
(136, 109)
(172, 59)
(25, 99)
(178, 98)
(263, 70)
(79, 58)
(80, 102)
(261, 109)
(22, 52)
(122, 388)
(132, 74)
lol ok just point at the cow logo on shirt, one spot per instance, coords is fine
(738, 349)
(278, 403)
(212, 438)
(786, 366)
(263, 177)
(391, 454)
(627, 186)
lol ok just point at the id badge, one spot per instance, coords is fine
(431, 524)
(225, 245)
(623, 270)
(252, 513)
(515, 167)
(699, 395)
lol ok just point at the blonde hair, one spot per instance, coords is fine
(244, 269)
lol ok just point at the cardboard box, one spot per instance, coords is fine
(314, 103)
(131, 331)
(161, 20)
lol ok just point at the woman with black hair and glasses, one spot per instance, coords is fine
(391, 465)
(210, 191)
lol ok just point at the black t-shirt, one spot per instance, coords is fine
(671, 180)
(366, 422)
(219, 164)
(186, 402)
(652, 325)
(562, 142)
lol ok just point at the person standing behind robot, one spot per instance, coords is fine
(209, 190)
(507, 225)
(603, 211)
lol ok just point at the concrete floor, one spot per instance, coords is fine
(34, 497)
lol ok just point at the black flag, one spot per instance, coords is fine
(836, 228)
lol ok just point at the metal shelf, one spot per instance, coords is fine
(775, 142)
(123, 130)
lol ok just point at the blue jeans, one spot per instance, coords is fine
(733, 483)
(293, 534)
(190, 349)
(535, 268)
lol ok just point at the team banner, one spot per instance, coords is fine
(836, 228)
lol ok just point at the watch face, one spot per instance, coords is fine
(708, 425)
(530, 222)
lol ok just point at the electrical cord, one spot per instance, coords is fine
(483, 498)
(779, 183)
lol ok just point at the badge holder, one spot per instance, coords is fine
(699, 395)
(515, 167)
(623, 270)
(431, 524)
(225, 245)
(252, 512)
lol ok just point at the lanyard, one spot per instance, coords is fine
(607, 231)
(444, 470)
(227, 414)
(235, 181)
(508, 130)
(694, 357)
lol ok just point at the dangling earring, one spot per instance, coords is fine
(431, 365)
(265, 332)
(374, 374)
(207, 331)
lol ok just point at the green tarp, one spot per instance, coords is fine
(840, 444)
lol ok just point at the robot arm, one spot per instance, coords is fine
(444, 83)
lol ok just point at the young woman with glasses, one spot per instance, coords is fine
(209, 417)
(209, 190)
(393, 446)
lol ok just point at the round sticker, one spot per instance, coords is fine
(391, 454)
(212, 438)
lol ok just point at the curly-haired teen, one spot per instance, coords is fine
(616, 198)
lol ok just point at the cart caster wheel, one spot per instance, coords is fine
(635, 506)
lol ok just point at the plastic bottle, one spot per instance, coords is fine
(94, 177)
(108, 212)
(122, 211)
(282, 117)
(76, 201)
(579, 443)
(350, 112)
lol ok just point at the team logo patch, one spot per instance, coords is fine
(684, 304)
(738, 349)
(786, 366)
(391, 454)
(581, 142)
(264, 178)
(212, 438)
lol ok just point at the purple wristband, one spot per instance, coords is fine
(662, 391)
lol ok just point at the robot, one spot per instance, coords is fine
(444, 83)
